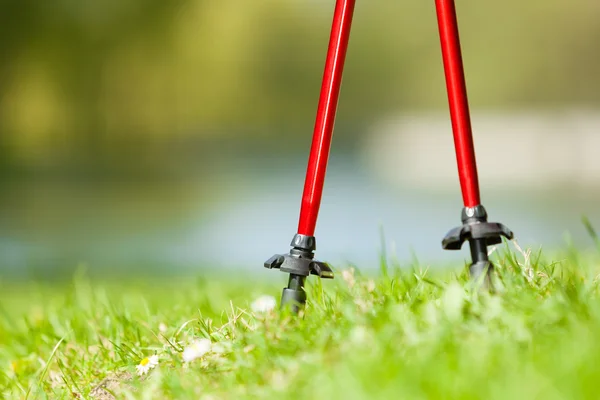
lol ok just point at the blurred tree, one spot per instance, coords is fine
(71, 41)
(127, 85)
(18, 23)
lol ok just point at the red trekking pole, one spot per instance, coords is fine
(299, 262)
(475, 229)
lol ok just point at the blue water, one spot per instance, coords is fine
(260, 217)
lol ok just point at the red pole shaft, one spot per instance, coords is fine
(328, 101)
(457, 98)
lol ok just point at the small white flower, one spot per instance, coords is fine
(348, 277)
(371, 285)
(162, 327)
(264, 304)
(196, 350)
(147, 364)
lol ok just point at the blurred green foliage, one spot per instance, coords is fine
(122, 83)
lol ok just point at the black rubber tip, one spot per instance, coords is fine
(294, 299)
(299, 263)
(480, 234)
(480, 268)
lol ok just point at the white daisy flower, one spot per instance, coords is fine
(162, 327)
(147, 364)
(264, 304)
(196, 350)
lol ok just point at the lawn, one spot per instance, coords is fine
(406, 332)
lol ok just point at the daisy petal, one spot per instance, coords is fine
(264, 304)
(196, 350)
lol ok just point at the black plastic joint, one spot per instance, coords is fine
(304, 242)
(475, 227)
(299, 261)
(477, 213)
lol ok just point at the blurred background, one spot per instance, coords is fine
(172, 136)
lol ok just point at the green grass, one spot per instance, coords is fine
(403, 333)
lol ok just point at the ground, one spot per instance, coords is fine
(402, 332)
